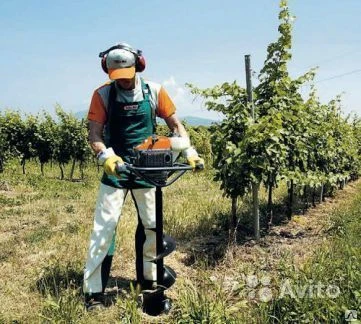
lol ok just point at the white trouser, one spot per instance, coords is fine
(107, 212)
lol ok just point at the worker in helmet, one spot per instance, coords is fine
(121, 116)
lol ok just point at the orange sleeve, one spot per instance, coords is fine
(97, 110)
(166, 106)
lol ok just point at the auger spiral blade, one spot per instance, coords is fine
(169, 277)
(169, 246)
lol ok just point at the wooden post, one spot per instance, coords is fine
(305, 199)
(255, 186)
(290, 200)
(72, 170)
(255, 191)
(247, 59)
(61, 171)
(233, 224)
(234, 214)
(270, 206)
(314, 196)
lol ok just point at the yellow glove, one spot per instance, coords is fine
(193, 159)
(109, 159)
(196, 163)
(110, 164)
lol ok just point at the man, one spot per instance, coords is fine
(121, 116)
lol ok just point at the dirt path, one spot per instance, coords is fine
(304, 233)
(297, 239)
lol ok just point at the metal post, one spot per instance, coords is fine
(255, 186)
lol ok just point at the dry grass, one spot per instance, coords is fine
(45, 227)
(44, 232)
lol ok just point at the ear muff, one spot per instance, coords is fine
(139, 58)
(104, 64)
(140, 63)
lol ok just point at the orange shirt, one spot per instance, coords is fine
(159, 100)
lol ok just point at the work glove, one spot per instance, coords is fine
(110, 165)
(178, 144)
(110, 160)
(196, 162)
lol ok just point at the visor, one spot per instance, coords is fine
(123, 73)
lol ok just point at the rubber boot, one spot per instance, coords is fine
(106, 265)
(139, 242)
(95, 301)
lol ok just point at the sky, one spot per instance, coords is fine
(49, 49)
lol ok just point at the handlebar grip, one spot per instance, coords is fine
(120, 167)
(199, 166)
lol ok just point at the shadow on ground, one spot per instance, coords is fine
(118, 286)
(56, 279)
(209, 249)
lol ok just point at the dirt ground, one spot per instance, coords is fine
(297, 239)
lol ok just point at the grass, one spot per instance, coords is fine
(45, 228)
(336, 266)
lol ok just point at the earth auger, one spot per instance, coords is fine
(154, 162)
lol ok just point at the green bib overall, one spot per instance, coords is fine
(128, 125)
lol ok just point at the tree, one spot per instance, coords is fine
(72, 141)
(46, 140)
(13, 130)
(26, 145)
(300, 142)
(4, 147)
(278, 94)
(232, 168)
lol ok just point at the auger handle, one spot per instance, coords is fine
(142, 172)
(199, 166)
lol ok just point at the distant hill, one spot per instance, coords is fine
(190, 120)
(198, 121)
(81, 114)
